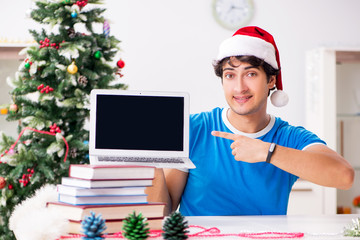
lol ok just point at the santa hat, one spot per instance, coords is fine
(254, 41)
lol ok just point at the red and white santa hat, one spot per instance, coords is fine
(254, 41)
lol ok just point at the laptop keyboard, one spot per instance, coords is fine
(141, 159)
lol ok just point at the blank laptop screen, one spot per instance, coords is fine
(128, 122)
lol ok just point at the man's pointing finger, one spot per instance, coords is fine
(223, 135)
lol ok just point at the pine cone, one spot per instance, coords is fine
(135, 227)
(175, 227)
(71, 33)
(93, 227)
(73, 152)
(82, 80)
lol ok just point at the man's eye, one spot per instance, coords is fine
(228, 75)
(251, 74)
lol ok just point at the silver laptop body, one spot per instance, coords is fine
(139, 128)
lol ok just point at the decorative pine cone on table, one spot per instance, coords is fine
(93, 227)
(175, 227)
(135, 227)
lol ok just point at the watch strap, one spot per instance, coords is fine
(270, 152)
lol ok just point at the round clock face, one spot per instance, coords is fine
(233, 14)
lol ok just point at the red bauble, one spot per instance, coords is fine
(2, 182)
(120, 63)
(13, 108)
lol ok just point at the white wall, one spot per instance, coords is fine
(170, 45)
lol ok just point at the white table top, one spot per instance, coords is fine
(325, 227)
(313, 227)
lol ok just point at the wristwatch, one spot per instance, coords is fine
(270, 152)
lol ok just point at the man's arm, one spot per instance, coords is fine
(168, 186)
(318, 163)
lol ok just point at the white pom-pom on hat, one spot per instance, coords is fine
(254, 41)
(279, 98)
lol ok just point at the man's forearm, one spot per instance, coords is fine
(318, 164)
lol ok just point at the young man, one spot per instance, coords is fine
(247, 160)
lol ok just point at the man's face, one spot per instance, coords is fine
(245, 87)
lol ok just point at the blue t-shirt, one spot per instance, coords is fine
(220, 185)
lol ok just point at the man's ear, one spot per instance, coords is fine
(272, 81)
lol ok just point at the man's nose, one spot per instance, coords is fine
(240, 85)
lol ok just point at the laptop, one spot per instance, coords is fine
(139, 128)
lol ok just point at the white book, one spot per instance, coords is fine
(87, 171)
(76, 191)
(88, 183)
(96, 200)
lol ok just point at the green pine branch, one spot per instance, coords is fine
(46, 66)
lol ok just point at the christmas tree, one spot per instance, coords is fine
(51, 98)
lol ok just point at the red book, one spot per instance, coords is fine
(86, 171)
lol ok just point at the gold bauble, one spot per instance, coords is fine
(72, 68)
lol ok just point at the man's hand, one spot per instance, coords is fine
(244, 148)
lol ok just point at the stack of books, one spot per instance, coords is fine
(112, 191)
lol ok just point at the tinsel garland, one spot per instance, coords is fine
(38, 131)
(210, 233)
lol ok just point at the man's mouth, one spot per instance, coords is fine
(242, 99)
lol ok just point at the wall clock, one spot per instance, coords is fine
(233, 14)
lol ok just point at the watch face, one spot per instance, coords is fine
(233, 14)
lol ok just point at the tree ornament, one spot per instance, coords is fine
(2, 182)
(81, 4)
(82, 80)
(93, 227)
(46, 89)
(97, 55)
(71, 32)
(54, 128)
(26, 177)
(46, 43)
(175, 227)
(3, 111)
(13, 108)
(74, 14)
(106, 28)
(135, 227)
(120, 63)
(72, 68)
(73, 152)
(27, 63)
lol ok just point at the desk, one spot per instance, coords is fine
(325, 227)
(314, 227)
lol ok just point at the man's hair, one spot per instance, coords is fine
(252, 60)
